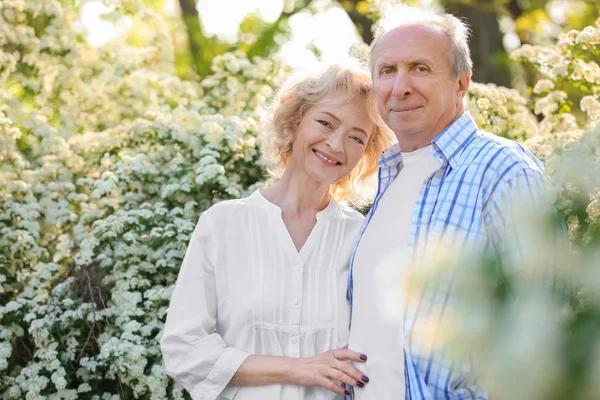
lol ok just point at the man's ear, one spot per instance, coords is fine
(463, 85)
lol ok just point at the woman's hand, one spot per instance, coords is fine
(322, 369)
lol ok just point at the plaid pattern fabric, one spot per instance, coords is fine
(464, 203)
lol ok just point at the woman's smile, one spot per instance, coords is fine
(326, 158)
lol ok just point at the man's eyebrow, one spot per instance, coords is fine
(339, 120)
(421, 61)
(384, 64)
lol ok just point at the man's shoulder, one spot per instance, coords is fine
(500, 155)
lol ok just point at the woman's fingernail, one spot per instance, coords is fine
(365, 378)
(360, 384)
(347, 393)
(363, 357)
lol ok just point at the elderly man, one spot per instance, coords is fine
(444, 179)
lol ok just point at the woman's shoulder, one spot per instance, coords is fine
(350, 214)
(352, 221)
(227, 209)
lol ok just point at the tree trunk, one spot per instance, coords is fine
(514, 8)
(487, 48)
(190, 17)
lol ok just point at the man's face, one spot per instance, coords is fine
(417, 95)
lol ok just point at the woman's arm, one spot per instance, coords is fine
(194, 354)
(319, 370)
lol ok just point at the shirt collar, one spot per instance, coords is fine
(447, 145)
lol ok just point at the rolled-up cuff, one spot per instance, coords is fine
(229, 392)
(220, 375)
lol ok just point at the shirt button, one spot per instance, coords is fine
(294, 339)
(298, 267)
(296, 302)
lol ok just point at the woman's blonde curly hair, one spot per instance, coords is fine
(339, 83)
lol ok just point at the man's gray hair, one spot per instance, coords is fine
(456, 30)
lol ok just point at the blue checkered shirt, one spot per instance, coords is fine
(462, 204)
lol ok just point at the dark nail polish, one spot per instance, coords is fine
(347, 393)
(363, 357)
(360, 384)
(365, 379)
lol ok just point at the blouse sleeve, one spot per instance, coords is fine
(194, 354)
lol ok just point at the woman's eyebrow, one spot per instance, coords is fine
(339, 120)
(332, 116)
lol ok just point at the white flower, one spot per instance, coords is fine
(483, 103)
(212, 133)
(107, 183)
(5, 353)
(543, 85)
(588, 35)
(12, 306)
(59, 380)
(84, 388)
(591, 107)
(550, 103)
(558, 66)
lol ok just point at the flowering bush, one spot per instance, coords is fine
(107, 158)
(501, 111)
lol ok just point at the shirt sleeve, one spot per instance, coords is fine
(518, 217)
(195, 355)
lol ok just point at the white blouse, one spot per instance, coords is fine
(243, 289)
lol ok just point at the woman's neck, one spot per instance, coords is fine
(297, 196)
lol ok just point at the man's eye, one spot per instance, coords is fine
(421, 68)
(386, 71)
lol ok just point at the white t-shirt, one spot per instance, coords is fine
(244, 289)
(377, 312)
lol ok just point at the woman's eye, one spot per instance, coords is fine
(357, 139)
(324, 123)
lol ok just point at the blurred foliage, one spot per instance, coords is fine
(256, 37)
(531, 21)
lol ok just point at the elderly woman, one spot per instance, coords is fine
(259, 309)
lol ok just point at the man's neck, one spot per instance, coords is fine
(419, 140)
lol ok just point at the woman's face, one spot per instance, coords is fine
(331, 139)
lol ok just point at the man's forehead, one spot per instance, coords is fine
(418, 30)
(407, 55)
(411, 42)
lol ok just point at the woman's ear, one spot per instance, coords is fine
(290, 135)
(289, 132)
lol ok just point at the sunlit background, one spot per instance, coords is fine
(331, 31)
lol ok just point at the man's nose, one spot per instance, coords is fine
(402, 85)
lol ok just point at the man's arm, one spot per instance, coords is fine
(526, 233)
